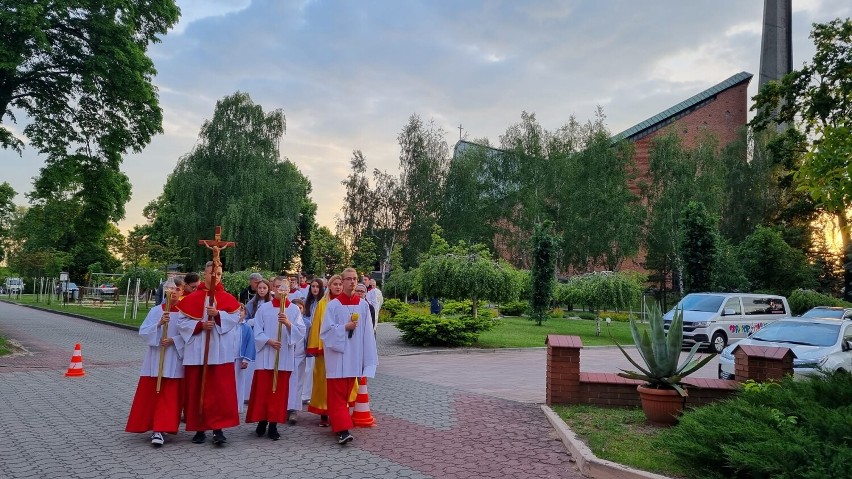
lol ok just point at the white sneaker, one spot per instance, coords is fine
(157, 439)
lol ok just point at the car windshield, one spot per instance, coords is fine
(823, 313)
(707, 303)
(796, 332)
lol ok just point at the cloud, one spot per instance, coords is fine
(349, 74)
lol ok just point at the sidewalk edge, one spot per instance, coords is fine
(588, 464)
(74, 315)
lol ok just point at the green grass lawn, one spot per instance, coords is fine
(622, 436)
(4, 350)
(520, 332)
(108, 312)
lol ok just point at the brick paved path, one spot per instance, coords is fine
(74, 427)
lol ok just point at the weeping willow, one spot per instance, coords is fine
(235, 177)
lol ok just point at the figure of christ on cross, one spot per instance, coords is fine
(207, 318)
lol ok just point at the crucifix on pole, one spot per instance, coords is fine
(460, 131)
(216, 245)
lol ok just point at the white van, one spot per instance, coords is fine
(718, 319)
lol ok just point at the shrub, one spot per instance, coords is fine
(452, 308)
(585, 315)
(514, 308)
(394, 307)
(617, 316)
(435, 330)
(799, 429)
(802, 300)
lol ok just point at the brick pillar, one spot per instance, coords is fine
(762, 363)
(563, 369)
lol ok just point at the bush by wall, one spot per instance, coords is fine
(793, 429)
(802, 300)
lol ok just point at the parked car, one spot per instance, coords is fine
(831, 312)
(68, 286)
(720, 319)
(819, 345)
(14, 286)
(107, 289)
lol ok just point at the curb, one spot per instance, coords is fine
(588, 464)
(74, 315)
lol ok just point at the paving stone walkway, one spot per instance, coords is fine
(74, 427)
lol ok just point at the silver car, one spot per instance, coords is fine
(819, 345)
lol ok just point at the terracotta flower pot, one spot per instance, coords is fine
(662, 407)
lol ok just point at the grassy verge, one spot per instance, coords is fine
(4, 350)
(520, 332)
(108, 312)
(622, 436)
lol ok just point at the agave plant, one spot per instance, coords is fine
(661, 352)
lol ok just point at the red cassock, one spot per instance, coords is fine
(153, 411)
(265, 405)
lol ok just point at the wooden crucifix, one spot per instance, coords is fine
(216, 245)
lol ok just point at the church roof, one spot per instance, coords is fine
(692, 103)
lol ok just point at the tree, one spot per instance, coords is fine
(364, 258)
(80, 72)
(358, 210)
(389, 219)
(235, 177)
(467, 196)
(677, 175)
(817, 99)
(465, 272)
(699, 247)
(602, 215)
(543, 271)
(423, 163)
(772, 265)
(329, 255)
(7, 217)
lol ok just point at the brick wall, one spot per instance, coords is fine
(566, 384)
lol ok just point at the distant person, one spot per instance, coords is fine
(159, 412)
(250, 290)
(350, 352)
(294, 401)
(196, 322)
(190, 284)
(268, 408)
(375, 298)
(315, 294)
(434, 306)
(361, 291)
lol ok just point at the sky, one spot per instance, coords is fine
(348, 75)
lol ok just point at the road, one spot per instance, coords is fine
(433, 421)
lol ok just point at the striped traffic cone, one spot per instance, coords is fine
(76, 367)
(361, 416)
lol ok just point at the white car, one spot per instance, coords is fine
(828, 312)
(819, 345)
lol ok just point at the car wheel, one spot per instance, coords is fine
(718, 342)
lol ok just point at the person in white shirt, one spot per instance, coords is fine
(349, 350)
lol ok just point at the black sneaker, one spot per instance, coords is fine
(291, 417)
(323, 421)
(343, 437)
(272, 433)
(261, 428)
(199, 437)
(219, 437)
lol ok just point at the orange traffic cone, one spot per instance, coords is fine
(76, 367)
(361, 416)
